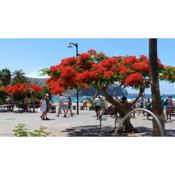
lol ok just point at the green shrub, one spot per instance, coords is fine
(21, 131)
(39, 132)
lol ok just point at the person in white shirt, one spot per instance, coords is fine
(61, 105)
(43, 109)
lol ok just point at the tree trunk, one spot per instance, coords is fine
(156, 99)
(122, 109)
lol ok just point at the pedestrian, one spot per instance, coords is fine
(148, 104)
(52, 106)
(97, 104)
(61, 105)
(43, 108)
(170, 106)
(69, 106)
(47, 99)
(141, 102)
(26, 104)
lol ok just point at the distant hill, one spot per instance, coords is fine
(38, 81)
(89, 92)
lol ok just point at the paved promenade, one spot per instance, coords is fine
(84, 124)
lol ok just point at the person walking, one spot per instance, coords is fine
(47, 105)
(43, 108)
(69, 106)
(170, 106)
(26, 104)
(97, 103)
(61, 105)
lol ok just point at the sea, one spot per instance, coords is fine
(129, 97)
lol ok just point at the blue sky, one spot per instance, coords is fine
(32, 55)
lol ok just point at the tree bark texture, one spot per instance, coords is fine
(155, 91)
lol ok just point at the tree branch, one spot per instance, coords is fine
(142, 89)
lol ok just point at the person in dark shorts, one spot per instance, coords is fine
(97, 103)
(69, 106)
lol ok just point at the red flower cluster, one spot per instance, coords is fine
(108, 63)
(108, 74)
(142, 67)
(82, 77)
(22, 88)
(68, 61)
(54, 86)
(54, 69)
(123, 70)
(129, 60)
(93, 75)
(134, 79)
(68, 73)
(83, 71)
(85, 56)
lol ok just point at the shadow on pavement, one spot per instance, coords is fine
(89, 130)
(94, 130)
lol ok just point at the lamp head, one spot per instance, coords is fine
(69, 46)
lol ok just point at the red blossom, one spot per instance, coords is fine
(129, 60)
(22, 88)
(123, 70)
(68, 61)
(82, 77)
(68, 73)
(54, 69)
(93, 75)
(134, 79)
(108, 63)
(108, 74)
(85, 56)
(142, 67)
(57, 90)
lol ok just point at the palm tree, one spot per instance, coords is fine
(19, 77)
(5, 76)
(156, 99)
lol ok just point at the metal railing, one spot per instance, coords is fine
(121, 121)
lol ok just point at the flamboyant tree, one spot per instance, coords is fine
(23, 88)
(98, 70)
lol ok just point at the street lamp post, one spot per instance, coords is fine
(77, 54)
